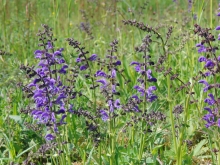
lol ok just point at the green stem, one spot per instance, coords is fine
(112, 142)
(211, 14)
(171, 114)
(143, 135)
(100, 153)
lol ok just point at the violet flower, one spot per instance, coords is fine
(217, 28)
(92, 57)
(206, 85)
(104, 115)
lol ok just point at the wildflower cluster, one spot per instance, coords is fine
(108, 82)
(211, 68)
(145, 73)
(46, 88)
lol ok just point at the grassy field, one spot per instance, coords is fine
(121, 82)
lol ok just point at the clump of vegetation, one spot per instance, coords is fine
(111, 83)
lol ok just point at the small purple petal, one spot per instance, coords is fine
(201, 49)
(203, 82)
(93, 57)
(202, 59)
(218, 122)
(62, 119)
(83, 67)
(38, 53)
(49, 45)
(49, 137)
(104, 115)
(134, 63)
(100, 73)
(198, 45)
(117, 63)
(113, 88)
(217, 28)
(152, 98)
(209, 64)
(135, 97)
(113, 74)
(117, 103)
(137, 68)
(207, 73)
(103, 81)
(78, 59)
(63, 69)
(208, 109)
(57, 53)
(135, 108)
(152, 79)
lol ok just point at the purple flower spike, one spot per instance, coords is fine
(104, 115)
(218, 14)
(93, 57)
(49, 137)
(202, 59)
(218, 58)
(217, 28)
(219, 37)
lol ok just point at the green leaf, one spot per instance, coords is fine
(25, 151)
(16, 118)
(90, 155)
(198, 149)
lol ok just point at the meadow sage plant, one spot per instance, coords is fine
(211, 71)
(46, 88)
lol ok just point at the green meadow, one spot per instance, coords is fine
(144, 49)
